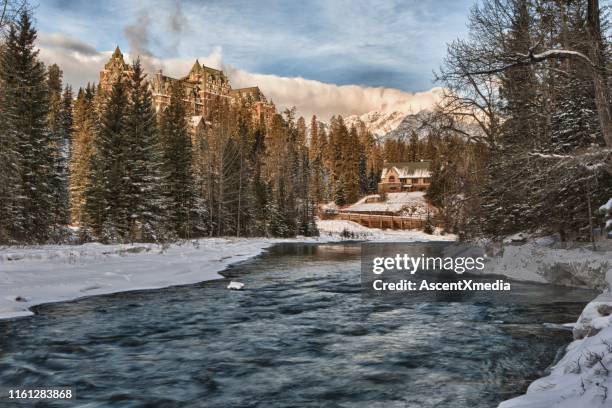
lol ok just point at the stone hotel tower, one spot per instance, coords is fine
(202, 86)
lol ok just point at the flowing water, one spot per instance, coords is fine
(300, 335)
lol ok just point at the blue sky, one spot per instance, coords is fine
(393, 44)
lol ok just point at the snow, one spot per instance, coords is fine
(403, 172)
(582, 378)
(43, 274)
(410, 204)
(379, 123)
(539, 261)
(406, 197)
(518, 237)
(33, 275)
(606, 210)
(353, 230)
(235, 285)
(607, 207)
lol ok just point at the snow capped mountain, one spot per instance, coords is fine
(399, 125)
(395, 124)
(379, 123)
(399, 122)
(410, 123)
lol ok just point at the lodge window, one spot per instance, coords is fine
(391, 179)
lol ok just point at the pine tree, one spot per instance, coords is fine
(183, 209)
(106, 196)
(10, 163)
(259, 186)
(84, 128)
(318, 172)
(413, 147)
(59, 115)
(351, 177)
(144, 196)
(54, 82)
(339, 194)
(428, 226)
(373, 178)
(28, 145)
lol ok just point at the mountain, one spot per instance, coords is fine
(379, 123)
(399, 125)
(395, 124)
(410, 123)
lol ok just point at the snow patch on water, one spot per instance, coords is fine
(235, 285)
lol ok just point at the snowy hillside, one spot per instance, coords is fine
(336, 229)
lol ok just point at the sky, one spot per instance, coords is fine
(323, 56)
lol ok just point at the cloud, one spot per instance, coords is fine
(323, 99)
(66, 43)
(177, 20)
(307, 95)
(138, 37)
(79, 68)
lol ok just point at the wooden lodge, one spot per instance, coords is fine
(405, 176)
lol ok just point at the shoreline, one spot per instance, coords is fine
(34, 275)
(30, 275)
(577, 379)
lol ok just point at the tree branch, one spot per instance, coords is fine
(532, 58)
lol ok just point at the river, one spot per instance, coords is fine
(300, 335)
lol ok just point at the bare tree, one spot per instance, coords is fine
(494, 60)
(9, 10)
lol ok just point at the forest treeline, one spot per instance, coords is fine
(105, 161)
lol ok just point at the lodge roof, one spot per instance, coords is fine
(408, 169)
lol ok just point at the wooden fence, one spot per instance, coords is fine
(385, 221)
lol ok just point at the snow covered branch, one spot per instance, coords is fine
(531, 58)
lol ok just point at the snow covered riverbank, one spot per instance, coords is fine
(33, 275)
(542, 260)
(583, 377)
